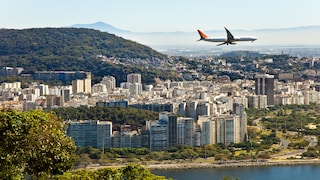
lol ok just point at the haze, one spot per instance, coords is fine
(161, 16)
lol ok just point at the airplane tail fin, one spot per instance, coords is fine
(202, 35)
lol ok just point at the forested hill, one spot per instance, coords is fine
(72, 42)
(74, 49)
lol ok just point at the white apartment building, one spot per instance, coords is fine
(99, 88)
(110, 82)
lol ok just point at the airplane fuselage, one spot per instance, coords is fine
(223, 39)
(215, 39)
(230, 39)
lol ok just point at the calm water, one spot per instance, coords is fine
(299, 172)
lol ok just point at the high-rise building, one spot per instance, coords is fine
(54, 101)
(195, 108)
(31, 93)
(264, 85)
(99, 88)
(77, 86)
(82, 85)
(172, 123)
(188, 130)
(66, 94)
(189, 109)
(145, 138)
(92, 133)
(158, 135)
(87, 85)
(172, 130)
(125, 85)
(44, 89)
(228, 129)
(134, 78)
(220, 127)
(133, 84)
(55, 90)
(110, 82)
(125, 138)
(208, 130)
(135, 88)
(116, 139)
(239, 110)
(203, 108)
(136, 139)
(253, 101)
(180, 127)
(196, 135)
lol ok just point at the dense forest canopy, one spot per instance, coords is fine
(70, 42)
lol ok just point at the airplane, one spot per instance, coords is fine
(230, 39)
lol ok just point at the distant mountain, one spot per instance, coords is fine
(101, 26)
(295, 36)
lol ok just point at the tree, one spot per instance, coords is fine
(83, 160)
(133, 172)
(34, 144)
(189, 154)
(129, 172)
(229, 178)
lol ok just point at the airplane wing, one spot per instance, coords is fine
(229, 35)
(222, 43)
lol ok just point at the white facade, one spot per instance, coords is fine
(135, 89)
(99, 88)
(77, 86)
(110, 82)
(14, 85)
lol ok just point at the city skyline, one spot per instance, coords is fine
(161, 16)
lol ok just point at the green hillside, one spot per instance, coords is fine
(73, 49)
(72, 42)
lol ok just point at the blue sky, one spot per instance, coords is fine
(161, 15)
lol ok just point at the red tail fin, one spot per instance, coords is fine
(202, 34)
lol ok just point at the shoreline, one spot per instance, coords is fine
(261, 163)
(214, 164)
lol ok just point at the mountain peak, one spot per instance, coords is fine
(101, 26)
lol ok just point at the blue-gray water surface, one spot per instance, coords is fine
(298, 172)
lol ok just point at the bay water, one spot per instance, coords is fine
(290, 172)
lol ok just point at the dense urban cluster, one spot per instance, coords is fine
(192, 113)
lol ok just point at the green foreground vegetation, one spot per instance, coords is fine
(129, 172)
(33, 144)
